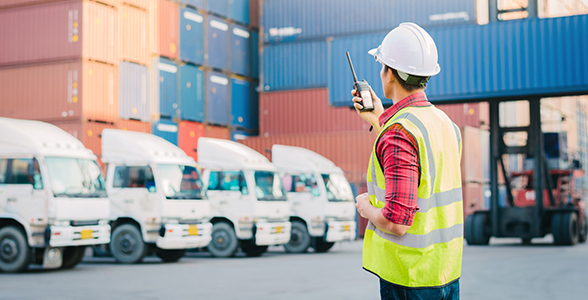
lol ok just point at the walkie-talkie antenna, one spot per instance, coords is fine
(351, 66)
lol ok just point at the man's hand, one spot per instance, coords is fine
(370, 212)
(372, 117)
(363, 204)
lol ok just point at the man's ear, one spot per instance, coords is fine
(390, 76)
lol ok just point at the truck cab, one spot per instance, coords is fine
(248, 201)
(321, 199)
(53, 200)
(158, 203)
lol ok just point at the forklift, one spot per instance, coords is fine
(540, 201)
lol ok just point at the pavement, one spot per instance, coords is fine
(504, 270)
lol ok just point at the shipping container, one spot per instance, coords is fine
(168, 87)
(218, 7)
(305, 111)
(133, 125)
(58, 31)
(254, 54)
(254, 13)
(300, 66)
(166, 129)
(134, 92)
(239, 11)
(217, 132)
(217, 55)
(244, 105)
(76, 90)
(191, 93)
(311, 19)
(501, 196)
(466, 114)
(240, 39)
(471, 164)
(188, 135)
(168, 31)
(194, 3)
(4, 4)
(142, 4)
(134, 35)
(473, 198)
(237, 135)
(89, 133)
(217, 93)
(191, 36)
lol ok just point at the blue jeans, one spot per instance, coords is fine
(389, 291)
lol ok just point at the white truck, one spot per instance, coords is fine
(321, 199)
(53, 200)
(158, 203)
(248, 201)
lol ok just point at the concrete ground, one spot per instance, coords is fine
(504, 270)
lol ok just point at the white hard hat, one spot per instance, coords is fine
(410, 50)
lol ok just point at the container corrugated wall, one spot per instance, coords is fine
(217, 132)
(168, 29)
(311, 19)
(166, 129)
(134, 35)
(218, 7)
(217, 55)
(4, 4)
(191, 36)
(243, 106)
(254, 54)
(188, 135)
(58, 31)
(254, 13)
(168, 96)
(240, 47)
(60, 91)
(471, 165)
(217, 86)
(134, 92)
(143, 4)
(191, 93)
(239, 11)
(133, 125)
(468, 114)
(194, 3)
(473, 198)
(89, 133)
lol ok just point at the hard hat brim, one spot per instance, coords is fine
(373, 52)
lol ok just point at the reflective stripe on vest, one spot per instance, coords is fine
(429, 254)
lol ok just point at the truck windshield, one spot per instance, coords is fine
(338, 188)
(268, 186)
(180, 182)
(75, 177)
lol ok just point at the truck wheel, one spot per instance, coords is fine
(126, 244)
(72, 256)
(224, 241)
(101, 250)
(15, 254)
(254, 250)
(299, 238)
(569, 228)
(583, 229)
(475, 232)
(321, 246)
(170, 256)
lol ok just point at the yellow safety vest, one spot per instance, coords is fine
(430, 253)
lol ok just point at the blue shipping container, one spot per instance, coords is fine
(168, 86)
(217, 45)
(192, 93)
(514, 59)
(240, 50)
(237, 135)
(244, 105)
(312, 19)
(195, 3)
(296, 66)
(191, 36)
(166, 129)
(217, 110)
(239, 11)
(218, 7)
(254, 54)
(501, 196)
(134, 92)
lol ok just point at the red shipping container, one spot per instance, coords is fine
(77, 90)
(466, 114)
(218, 132)
(133, 125)
(303, 112)
(89, 133)
(188, 135)
(167, 31)
(471, 165)
(134, 35)
(473, 198)
(58, 31)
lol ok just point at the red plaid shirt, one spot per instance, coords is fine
(398, 154)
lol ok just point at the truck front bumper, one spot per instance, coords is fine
(185, 236)
(340, 231)
(65, 236)
(274, 233)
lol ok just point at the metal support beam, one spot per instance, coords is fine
(495, 142)
(493, 11)
(532, 9)
(536, 143)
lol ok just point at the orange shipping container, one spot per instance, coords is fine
(168, 28)
(473, 198)
(89, 133)
(132, 125)
(143, 4)
(471, 164)
(78, 90)
(134, 35)
(217, 132)
(188, 135)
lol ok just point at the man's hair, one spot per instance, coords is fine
(403, 84)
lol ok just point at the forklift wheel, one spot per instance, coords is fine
(475, 233)
(583, 230)
(565, 229)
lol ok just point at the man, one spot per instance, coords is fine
(414, 238)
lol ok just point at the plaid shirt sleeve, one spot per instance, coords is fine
(398, 154)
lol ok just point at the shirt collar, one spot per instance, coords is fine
(416, 99)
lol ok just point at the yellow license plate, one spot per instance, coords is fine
(86, 234)
(279, 229)
(345, 227)
(193, 230)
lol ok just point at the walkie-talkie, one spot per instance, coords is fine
(362, 88)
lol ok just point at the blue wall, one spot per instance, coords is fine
(191, 93)
(217, 109)
(168, 96)
(191, 36)
(217, 43)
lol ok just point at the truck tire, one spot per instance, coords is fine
(570, 228)
(170, 256)
(72, 256)
(475, 232)
(299, 238)
(101, 250)
(583, 229)
(15, 254)
(126, 244)
(224, 241)
(321, 246)
(254, 250)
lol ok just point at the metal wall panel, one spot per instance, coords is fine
(217, 55)
(58, 31)
(168, 28)
(191, 36)
(78, 90)
(168, 87)
(194, 3)
(244, 108)
(191, 93)
(254, 54)
(217, 132)
(188, 135)
(240, 39)
(217, 86)
(218, 7)
(254, 13)
(311, 19)
(463, 114)
(134, 92)
(296, 66)
(89, 133)
(134, 35)
(166, 129)
(133, 125)
(239, 11)
(142, 4)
